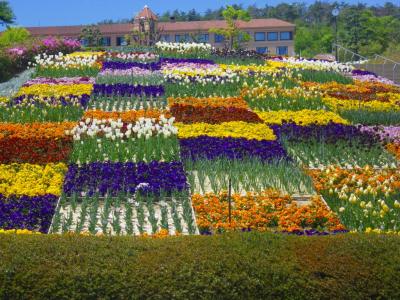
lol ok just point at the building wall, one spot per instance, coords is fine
(270, 45)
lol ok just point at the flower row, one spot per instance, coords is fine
(261, 211)
(143, 127)
(116, 178)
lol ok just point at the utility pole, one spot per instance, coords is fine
(335, 14)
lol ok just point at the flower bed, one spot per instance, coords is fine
(265, 211)
(134, 143)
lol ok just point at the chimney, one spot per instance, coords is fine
(172, 19)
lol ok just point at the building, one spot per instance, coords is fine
(267, 35)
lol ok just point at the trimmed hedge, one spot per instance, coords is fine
(230, 266)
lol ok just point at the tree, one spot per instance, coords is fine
(15, 35)
(92, 35)
(232, 33)
(6, 14)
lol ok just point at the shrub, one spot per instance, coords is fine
(231, 266)
(15, 35)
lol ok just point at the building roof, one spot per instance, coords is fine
(146, 13)
(164, 26)
(205, 25)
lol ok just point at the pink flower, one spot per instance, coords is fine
(16, 51)
(50, 42)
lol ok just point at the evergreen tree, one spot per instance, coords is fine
(6, 14)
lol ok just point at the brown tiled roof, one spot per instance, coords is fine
(146, 13)
(166, 26)
(205, 25)
(76, 30)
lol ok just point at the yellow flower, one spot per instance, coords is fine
(56, 90)
(85, 54)
(31, 180)
(302, 117)
(18, 231)
(227, 129)
(337, 105)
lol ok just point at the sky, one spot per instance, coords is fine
(77, 12)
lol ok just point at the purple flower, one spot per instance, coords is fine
(24, 212)
(329, 133)
(205, 147)
(50, 42)
(27, 100)
(129, 65)
(127, 90)
(385, 133)
(362, 72)
(64, 81)
(112, 178)
(186, 60)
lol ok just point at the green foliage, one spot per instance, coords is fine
(368, 117)
(231, 266)
(6, 68)
(6, 13)
(322, 76)
(35, 114)
(103, 149)
(86, 71)
(312, 40)
(249, 174)
(92, 35)
(232, 33)
(313, 153)
(14, 35)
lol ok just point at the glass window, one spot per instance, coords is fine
(219, 38)
(203, 38)
(106, 41)
(259, 36)
(272, 36)
(165, 38)
(121, 41)
(262, 50)
(84, 42)
(282, 50)
(286, 35)
(181, 38)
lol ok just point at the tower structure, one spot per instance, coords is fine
(145, 27)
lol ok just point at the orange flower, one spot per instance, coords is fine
(35, 130)
(394, 149)
(261, 211)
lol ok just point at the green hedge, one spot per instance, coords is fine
(231, 266)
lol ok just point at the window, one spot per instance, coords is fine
(121, 41)
(219, 38)
(106, 41)
(262, 50)
(259, 36)
(187, 37)
(180, 38)
(165, 38)
(203, 38)
(282, 50)
(272, 36)
(85, 42)
(286, 35)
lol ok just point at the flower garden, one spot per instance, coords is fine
(180, 140)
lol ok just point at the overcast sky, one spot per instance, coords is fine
(76, 12)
